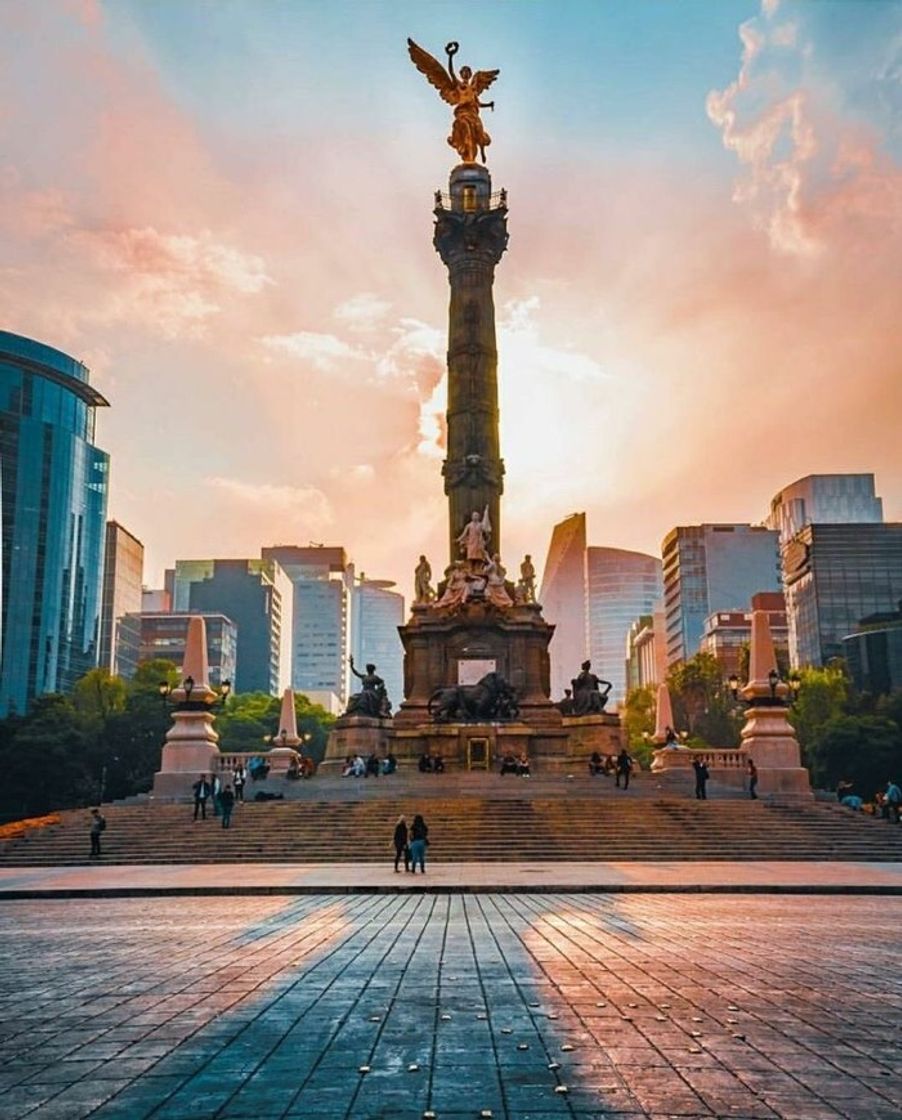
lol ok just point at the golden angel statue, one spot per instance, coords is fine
(462, 91)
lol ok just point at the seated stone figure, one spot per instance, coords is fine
(588, 697)
(372, 700)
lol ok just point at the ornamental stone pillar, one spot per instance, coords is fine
(470, 237)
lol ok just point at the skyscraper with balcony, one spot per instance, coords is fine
(323, 581)
(258, 597)
(563, 599)
(711, 568)
(54, 499)
(621, 586)
(123, 575)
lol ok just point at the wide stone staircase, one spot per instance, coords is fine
(471, 818)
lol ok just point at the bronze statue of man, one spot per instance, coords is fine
(468, 136)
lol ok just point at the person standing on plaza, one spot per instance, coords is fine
(419, 841)
(227, 803)
(239, 777)
(98, 824)
(624, 768)
(216, 789)
(701, 779)
(202, 790)
(892, 800)
(402, 850)
(753, 780)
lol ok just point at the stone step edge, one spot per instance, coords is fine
(419, 887)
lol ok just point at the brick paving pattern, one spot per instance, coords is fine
(389, 1006)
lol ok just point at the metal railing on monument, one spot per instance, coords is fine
(497, 201)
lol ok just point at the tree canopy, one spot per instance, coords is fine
(104, 739)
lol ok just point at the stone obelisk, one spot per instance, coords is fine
(768, 736)
(470, 236)
(192, 745)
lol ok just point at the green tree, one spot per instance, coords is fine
(246, 720)
(638, 721)
(132, 738)
(867, 750)
(822, 697)
(96, 696)
(720, 724)
(46, 763)
(249, 719)
(695, 685)
(890, 706)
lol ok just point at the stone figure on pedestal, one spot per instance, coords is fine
(422, 582)
(588, 698)
(372, 700)
(474, 537)
(457, 587)
(526, 588)
(565, 706)
(495, 590)
(468, 136)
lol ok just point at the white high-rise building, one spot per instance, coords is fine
(323, 581)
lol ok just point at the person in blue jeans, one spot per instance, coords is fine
(419, 840)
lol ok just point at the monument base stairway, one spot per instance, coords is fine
(482, 818)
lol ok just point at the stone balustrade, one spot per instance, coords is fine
(228, 760)
(732, 759)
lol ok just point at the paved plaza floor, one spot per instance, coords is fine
(394, 1006)
(764, 876)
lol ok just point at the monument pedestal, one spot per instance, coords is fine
(191, 749)
(357, 735)
(767, 734)
(445, 648)
(770, 741)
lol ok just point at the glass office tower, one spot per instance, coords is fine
(835, 576)
(713, 568)
(621, 586)
(54, 499)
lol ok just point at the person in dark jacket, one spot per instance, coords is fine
(202, 790)
(419, 839)
(701, 779)
(402, 851)
(98, 824)
(753, 780)
(624, 769)
(227, 802)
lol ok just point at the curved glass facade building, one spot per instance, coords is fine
(54, 499)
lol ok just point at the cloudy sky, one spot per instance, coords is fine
(224, 209)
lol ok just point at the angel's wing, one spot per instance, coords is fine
(437, 75)
(482, 79)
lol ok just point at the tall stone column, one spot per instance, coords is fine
(192, 745)
(768, 736)
(470, 236)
